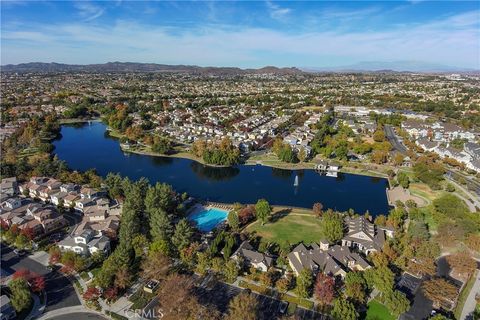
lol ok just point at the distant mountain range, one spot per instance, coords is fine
(391, 66)
(141, 67)
(367, 66)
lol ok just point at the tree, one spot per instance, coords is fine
(21, 241)
(304, 283)
(160, 225)
(231, 270)
(302, 154)
(155, 266)
(55, 255)
(462, 263)
(122, 278)
(203, 263)
(283, 284)
(182, 235)
(91, 294)
(396, 302)
(344, 310)
(233, 220)
(177, 300)
(324, 289)
(20, 295)
(379, 156)
(37, 283)
(355, 287)
(379, 135)
(440, 291)
(263, 210)
(317, 209)
(381, 278)
(403, 179)
(331, 226)
(243, 307)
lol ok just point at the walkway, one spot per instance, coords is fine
(470, 303)
(472, 202)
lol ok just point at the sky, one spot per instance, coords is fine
(241, 33)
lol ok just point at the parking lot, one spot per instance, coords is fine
(219, 294)
(60, 291)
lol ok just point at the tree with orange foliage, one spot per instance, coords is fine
(462, 263)
(324, 289)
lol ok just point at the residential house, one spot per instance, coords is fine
(332, 260)
(251, 257)
(9, 187)
(86, 243)
(363, 235)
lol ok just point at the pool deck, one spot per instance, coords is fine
(209, 205)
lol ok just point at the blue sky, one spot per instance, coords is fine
(243, 34)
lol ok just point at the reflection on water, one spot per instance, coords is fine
(213, 173)
(85, 146)
(282, 173)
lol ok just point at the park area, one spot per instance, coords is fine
(289, 226)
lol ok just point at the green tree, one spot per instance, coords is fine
(182, 235)
(21, 241)
(160, 225)
(304, 283)
(331, 226)
(381, 278)
(233, 220)
(344, 310)
(355, 286)
(231, 270)
(403, 179)
(263, 210)
(20, 297)
(396, 302)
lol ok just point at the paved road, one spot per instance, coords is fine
(470, 303)
(79, 316)
(394, 140)
(473, 185)
(60, 291)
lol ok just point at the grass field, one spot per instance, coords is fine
(289, 227)
(377, 311)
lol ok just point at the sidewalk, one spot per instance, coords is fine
(471, 303)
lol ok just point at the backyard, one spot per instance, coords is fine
(289, 226)
(377, 311)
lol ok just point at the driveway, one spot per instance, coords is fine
(60, 291)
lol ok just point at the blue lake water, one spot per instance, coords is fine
(207, 219)
(89, 146)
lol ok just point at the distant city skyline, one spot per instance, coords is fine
(242, 34)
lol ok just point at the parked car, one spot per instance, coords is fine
(151, 286)
(19, 252)
(283, 307)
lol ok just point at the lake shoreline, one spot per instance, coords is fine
(185, 155)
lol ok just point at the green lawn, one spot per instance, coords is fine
(289, 228)
(377, 311)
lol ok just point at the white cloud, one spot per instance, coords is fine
(89, 11)
(277, 12)
(452, 41)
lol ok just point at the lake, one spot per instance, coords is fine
(86, 146)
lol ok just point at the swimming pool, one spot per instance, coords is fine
(207, 219)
